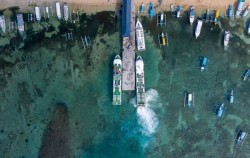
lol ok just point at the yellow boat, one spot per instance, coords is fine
(163, 39)
(217, 14)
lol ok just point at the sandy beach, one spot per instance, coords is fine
(114, 5)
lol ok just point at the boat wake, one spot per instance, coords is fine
(146, 117)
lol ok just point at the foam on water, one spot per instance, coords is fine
(146, 117)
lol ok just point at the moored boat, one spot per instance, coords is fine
(191, 15)
(240, 6)
(198, 28)
(248, 30)
(2, 23)
(58, 10)
(140, 36)
(226, 37)
(20, 23)
(245, 13)
(151, 9)
(66, 11)
(240, 137)
(220, 110)
(230, 11)
(142, 8)
(207, 15)
(140, 86)
(38, 14)
(117, 80)
(178, 11)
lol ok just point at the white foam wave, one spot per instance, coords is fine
(146, 117)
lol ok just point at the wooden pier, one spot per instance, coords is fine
(128, 55)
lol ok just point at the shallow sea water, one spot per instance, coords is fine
(56, 97)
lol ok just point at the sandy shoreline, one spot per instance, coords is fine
(114, 5)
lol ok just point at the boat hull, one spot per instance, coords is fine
(198, 29)
(66, 12)
(140, 86)
(226, 38)
(140, 36)
(117, 80)
(2, 23)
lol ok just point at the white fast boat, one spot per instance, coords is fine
(66, 11)
(117, 80)
(198, 28)
(2, 23)
(140, 86)
(191, 15)
(140, 36)
(226, 37)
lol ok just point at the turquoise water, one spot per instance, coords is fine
(56, 96)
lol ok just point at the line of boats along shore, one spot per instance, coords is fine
(35, 17)
(219, 109)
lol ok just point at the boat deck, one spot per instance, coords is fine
(128, 55)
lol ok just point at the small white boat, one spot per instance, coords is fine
(245, 13)
(240, 6)
(58, 10)
(191, 15)
(248, 30)
(226, 37)
(66, 11)
(2, 23)
(140, 36)
(38, 14)
(47, 11)
(198, 28)
(20, 23)
(231, 97)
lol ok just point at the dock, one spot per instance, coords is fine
(128, 45)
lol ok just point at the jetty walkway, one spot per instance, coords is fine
(128, 46)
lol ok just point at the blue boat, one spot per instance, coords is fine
(142, 8)
(230, 11)
(178, 11)
(203, 63)
(207, 15)
(220, 110)
(151, 9)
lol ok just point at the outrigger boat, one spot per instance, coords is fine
(2, 23)
(246, 75)
(117, 80)
(198, 28)
(20, 23)
(178, 11)
(191, 15)
(142, 8)
(248, 30)
(240, 6)
(189, 99)
(226, 37)
(151, 9)
(240, 137)
(245, 13)
(207, 15)
(140, 36)
(220, 110)
(163, 39)
(66, 11)
(203, 63)
(230, 11)
(231, 97)
(140, 85)
(217, 14)
(38, 14)
(58, 11)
